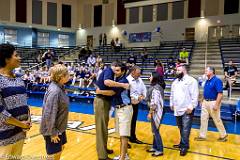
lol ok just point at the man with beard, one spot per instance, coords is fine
(183, 100)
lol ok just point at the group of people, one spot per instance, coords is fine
(117, 86)
(113, 85)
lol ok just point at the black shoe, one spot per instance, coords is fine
(136, 141)
(129, 146)
(109, 151)
(176, 146)
(183, 151)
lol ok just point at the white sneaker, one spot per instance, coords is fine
(151, 150)
(118, 157)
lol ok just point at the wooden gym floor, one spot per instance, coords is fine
(81, 142)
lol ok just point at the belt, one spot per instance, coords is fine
(122, 105)
(102, 96)
(210, 99)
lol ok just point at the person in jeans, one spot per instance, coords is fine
(155, 96)
(55, 112)
(14, 111)
(213, 93)
(183, 100)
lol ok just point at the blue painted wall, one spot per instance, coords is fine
(26, 36)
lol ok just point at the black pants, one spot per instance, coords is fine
(184, 123)
(134, 121)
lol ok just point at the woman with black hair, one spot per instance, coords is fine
(155, 97)
(14, 111)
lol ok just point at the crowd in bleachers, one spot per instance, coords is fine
(87, 69)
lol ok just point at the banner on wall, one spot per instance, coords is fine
(140, 37)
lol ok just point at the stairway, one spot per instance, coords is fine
(197, 67)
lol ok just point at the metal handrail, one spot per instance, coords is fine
(59, 56)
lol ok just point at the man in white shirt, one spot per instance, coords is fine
(138, 92)
(183, 100)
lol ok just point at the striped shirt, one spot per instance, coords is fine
(13, 103)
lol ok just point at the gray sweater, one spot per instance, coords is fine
(55, 111)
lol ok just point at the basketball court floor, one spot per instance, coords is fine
(81, 141)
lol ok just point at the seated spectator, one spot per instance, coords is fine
(132, 60)
(230, 73)
(112, 44)
(159, 68)
(99, 60)
(87, 79)
(170, 69)
(37, 75)
(184, 55)
(80, 77)
(28, 79)
(91, 60)
(44, 76)
(28, 76)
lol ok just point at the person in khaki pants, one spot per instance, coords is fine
(102, 105)
(213, 92)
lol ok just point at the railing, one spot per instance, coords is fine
(59, 56)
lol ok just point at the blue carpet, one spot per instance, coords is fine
(168, 119)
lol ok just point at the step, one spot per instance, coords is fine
(208, 53)
(199, 65)
(200, 75)
(208, 61)
(210, 58)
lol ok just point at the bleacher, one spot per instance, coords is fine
(162, 52)
(230, 50)
(29, 55)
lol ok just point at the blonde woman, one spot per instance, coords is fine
(55, 112)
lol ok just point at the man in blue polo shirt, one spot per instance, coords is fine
(213, 93)
(124, 111)
(102, 105)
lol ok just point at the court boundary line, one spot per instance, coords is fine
(198, 153)
(86, 132)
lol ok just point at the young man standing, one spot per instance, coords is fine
(102, 105)
(124, 111)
